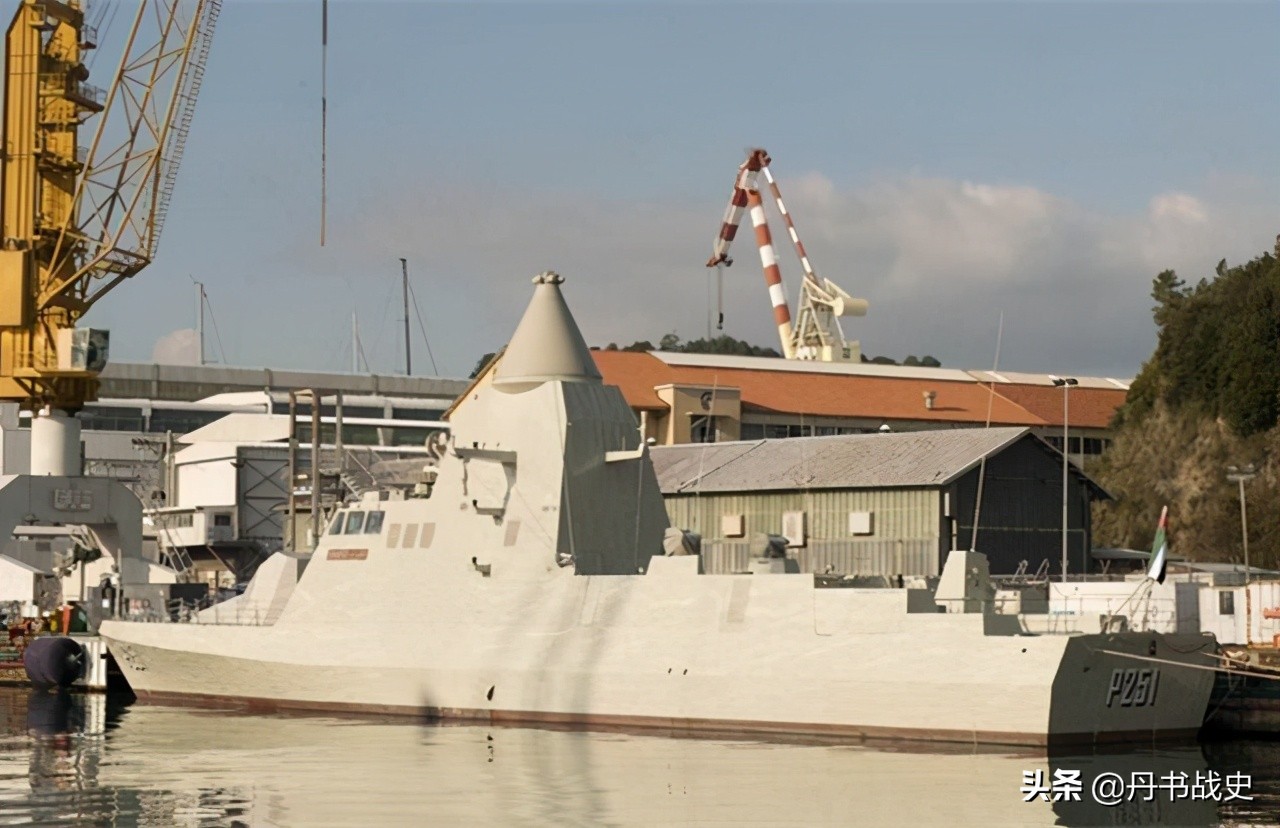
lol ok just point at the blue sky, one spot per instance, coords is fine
(948, 162)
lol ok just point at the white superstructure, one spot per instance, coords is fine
(528, 584)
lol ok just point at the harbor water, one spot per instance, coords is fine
(89, 760)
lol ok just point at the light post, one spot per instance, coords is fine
(1241, 475)
(1065, 384)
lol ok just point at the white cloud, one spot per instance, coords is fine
(1177, 207)
(938, 259)
(180, 347)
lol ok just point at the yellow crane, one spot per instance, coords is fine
(77, 221)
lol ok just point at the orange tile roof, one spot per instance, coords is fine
(637, 374)
(839, 395)
(1086, 407)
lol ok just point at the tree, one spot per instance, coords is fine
(1207, 397)
(723, 344)
(481, 365)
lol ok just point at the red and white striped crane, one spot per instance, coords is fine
(817, 335)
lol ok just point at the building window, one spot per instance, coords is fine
(1226, 603)
(1095, 445)
(222, 519)
(418, 413)
(751, 431)
(704, 430)
(94, 418)
(180, 422)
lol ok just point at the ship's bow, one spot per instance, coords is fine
(1131, 687)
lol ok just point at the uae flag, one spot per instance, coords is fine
(1159, 549)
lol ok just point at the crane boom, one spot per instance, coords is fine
(76, 222)
(743, 184)
(772, 274)
(817, 335)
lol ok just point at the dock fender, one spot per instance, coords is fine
(54, 661)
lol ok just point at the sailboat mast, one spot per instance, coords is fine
(404, 283)
(200, 321)
(355, 344)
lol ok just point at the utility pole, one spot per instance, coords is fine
(1242, 475)
(404, 283)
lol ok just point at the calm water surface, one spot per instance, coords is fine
(82, 760)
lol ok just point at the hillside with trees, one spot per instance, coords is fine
(1207, 399)
(727, 345)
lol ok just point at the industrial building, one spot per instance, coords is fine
(139, 403)
(706, 398)
(206, 450)
(883, 504)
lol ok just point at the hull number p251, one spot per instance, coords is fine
(1133, 687)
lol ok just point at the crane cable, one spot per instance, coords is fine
(719, 296)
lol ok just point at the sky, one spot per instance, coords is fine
(955, 164)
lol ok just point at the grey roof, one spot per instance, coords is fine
(195, 382)
(855, 461)
(872, 369)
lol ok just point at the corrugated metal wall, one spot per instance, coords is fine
(851, 557)
(1021, 517)
(904, 538)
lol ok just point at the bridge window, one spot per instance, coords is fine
(355, 522)
(373, 524)
(335, 526)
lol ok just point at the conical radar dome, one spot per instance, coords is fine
(547, 344)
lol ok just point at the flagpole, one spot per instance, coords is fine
(1159, 561)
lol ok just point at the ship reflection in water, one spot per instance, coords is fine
(87, 760)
